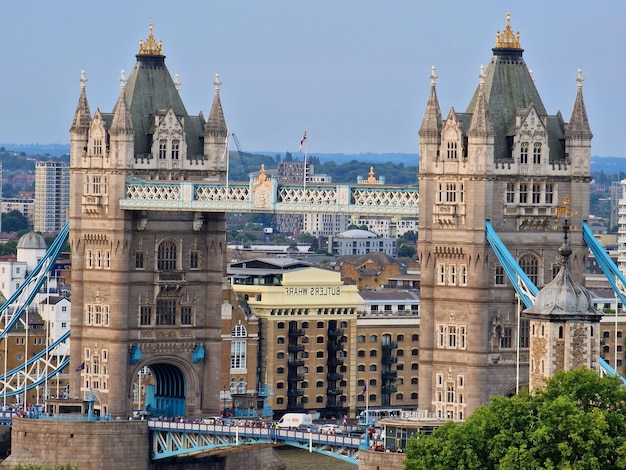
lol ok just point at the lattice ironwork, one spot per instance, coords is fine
(294, 194)
(385, 197)
(222, 193)
(158, 192)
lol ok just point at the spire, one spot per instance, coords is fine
(122, 122)
(579, 124)
(82, 116)
(216, 125)
(481, 125)
(431, 123)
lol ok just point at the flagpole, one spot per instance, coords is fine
(305, 139)
(227, 158)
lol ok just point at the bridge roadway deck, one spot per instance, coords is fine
(172, 439)
(268, 196)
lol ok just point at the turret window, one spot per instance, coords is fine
(162, 149)
(97, 146)
(523, 153)
(530, 265)
(537, 154)
(175, 149)
(452, 151)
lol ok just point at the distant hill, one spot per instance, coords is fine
(608, 165)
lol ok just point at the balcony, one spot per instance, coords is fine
(334, 347)
(388, 360)
(294, 348)
(334, 376)
(295, 362)
(295, 378)
(296, 332)
(388, 389)
(335, 361)
(334, 391)
(389, 375)
(390, 345)
(294, 392)
(335, 333)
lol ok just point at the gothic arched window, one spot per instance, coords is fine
(530, 265)
(238, 346)
(167, 255)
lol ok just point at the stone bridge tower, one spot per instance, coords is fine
(506, 160)
(146, 286)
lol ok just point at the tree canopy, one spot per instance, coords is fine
(577, 422)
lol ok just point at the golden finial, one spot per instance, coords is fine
(564, 212)
(371, 178)
(150, 46)
(507, 39)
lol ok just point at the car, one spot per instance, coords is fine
(330, 429)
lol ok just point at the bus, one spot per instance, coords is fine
(370, 416)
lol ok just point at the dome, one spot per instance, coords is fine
(563, 296)
(32, 241)
(357, 233)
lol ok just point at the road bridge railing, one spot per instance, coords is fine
(170, 439)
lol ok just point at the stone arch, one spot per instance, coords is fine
(176, 387)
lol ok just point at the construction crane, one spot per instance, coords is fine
(240, 152)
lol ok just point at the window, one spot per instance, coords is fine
(185, 315)
(524, 333)
(280, 325)
(361, 368)
(415, 352)
(441, 278)
(320, 339)
(280, 355)
(523, 153)
(162, 149)
(361, 339)
(506, 339)
(549, 193)
(452, 150)
(175, 149)
(361, 353)
(415, 366)
(319, 369)
(166, 256)
(166, 312)
(530, 265)
(193, 260)
(510, 193)
(373, 368)
(537, 153)
(320, 354)
(400, 353)
(453, 275)
(442, 336)
(462, 336)
(280, 340)
(415, 337)
(280, 370)
(463, 275)
(145, 314)
(373, 353)
(238, 347)
(499, 277)
(523, 193)
(400, 338)
(373, 338)
(536, 193)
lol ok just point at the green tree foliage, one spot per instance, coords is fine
(14, 221)
(8, 248)
(577, 422)
(406, 251)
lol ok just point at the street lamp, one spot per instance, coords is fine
(224, 407)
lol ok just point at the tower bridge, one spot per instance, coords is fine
(149, 194)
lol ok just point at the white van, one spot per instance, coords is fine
(293, 420)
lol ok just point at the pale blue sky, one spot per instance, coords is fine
(354, 74)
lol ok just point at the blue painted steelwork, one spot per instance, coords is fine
(50, 361)
(522, 284)
(528, 291)
(610, 270)
(170, 439)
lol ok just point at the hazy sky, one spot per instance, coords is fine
(353, 73)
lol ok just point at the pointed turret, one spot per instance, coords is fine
(578, 126)
(481, 125)
(122, 131)
(431, 123)
(216, 132)
(122, 122)
(82, 116)
(430, 132)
